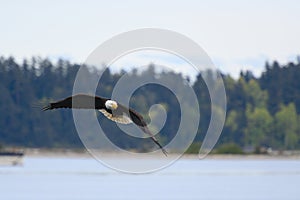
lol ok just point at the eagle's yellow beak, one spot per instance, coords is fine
(110, 104)
(114, 105)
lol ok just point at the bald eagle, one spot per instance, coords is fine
(110, 109)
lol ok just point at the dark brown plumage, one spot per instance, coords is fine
(111, 109)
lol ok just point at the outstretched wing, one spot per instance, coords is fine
(140, 122)
(146, 130)
(80, 101)
(65, 103)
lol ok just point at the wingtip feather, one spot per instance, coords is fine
(48, 107)
(165, 152)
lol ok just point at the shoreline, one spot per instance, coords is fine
(82, 153)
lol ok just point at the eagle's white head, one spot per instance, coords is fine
(110, 104)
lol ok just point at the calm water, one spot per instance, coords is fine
(85, 178)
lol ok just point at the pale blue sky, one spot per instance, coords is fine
(235, 34)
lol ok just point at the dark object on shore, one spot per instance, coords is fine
(10, 153)
(11, 157)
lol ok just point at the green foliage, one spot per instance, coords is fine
(256, 96)
(194, 148)
(231, 121)
(261, 111)
(229, 148)
(259, 126)
(286, 126)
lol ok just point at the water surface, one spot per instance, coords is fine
(85, 178)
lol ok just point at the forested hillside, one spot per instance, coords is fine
(261, 111)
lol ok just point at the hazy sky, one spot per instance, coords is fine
(235, 34)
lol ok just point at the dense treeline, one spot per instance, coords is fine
(261, 112)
